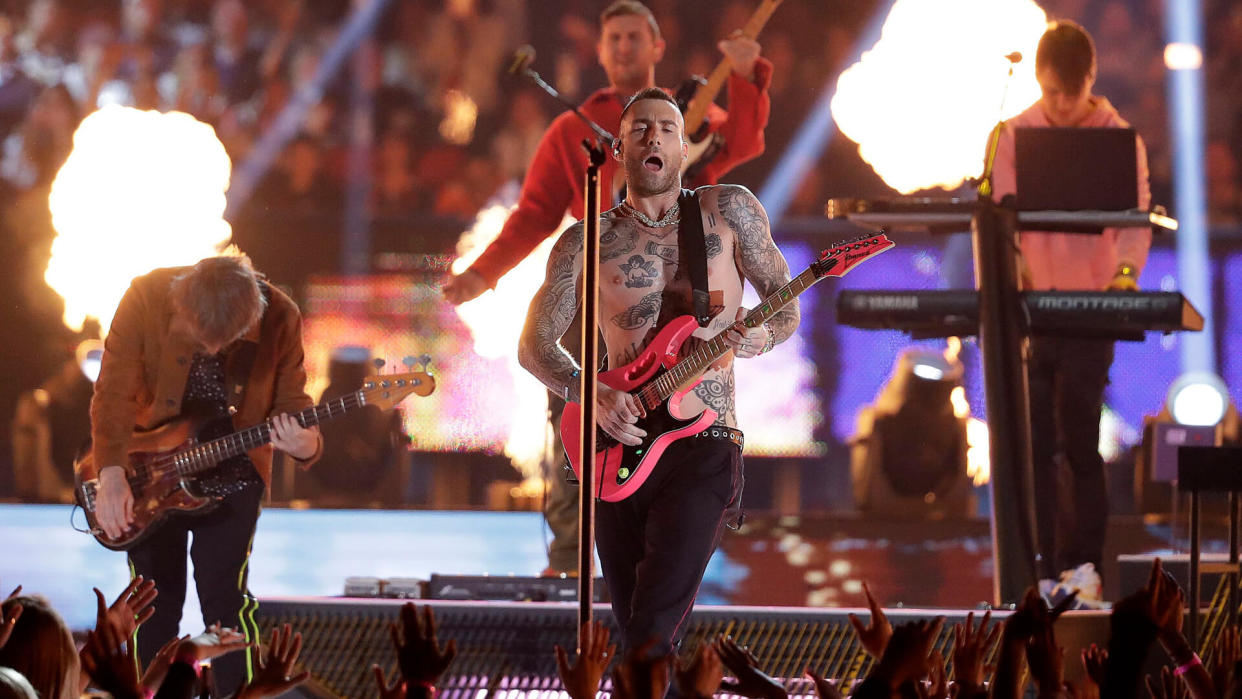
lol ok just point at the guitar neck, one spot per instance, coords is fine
(705, 95)
(206, 455)
(693, 366)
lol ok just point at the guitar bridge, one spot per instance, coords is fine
(88, 490)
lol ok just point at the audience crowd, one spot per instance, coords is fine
(448, 127)
(39, 658)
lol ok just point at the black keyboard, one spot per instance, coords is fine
(1122, 315)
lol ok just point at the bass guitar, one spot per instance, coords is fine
(660, 381)
(164, 460)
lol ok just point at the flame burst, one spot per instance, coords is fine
(495, 321)
(140, 190)
(923, 100)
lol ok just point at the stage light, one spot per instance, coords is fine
(1198, 398)
(1197, 412)
(909, 453)
(89, 354)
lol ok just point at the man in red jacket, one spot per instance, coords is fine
(629, 49)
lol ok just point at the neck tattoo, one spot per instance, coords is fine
(670, 217)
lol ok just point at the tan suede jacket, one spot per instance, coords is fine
(145, 368)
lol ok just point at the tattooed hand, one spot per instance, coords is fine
(746, 342)
(617, 411)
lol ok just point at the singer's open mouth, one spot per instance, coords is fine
(654, 163)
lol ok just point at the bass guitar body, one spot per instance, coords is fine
(159, 493)
(620, 468)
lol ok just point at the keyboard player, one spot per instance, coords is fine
(1068, 375)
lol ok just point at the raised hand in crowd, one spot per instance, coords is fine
(700, 679)
(9, 619)
(581, 679)
(1094, 665)
(273, 675)
(109, 660)
(905, 659)
(640, 674)
(1031, 619)
(1168, 686)
(1153, 612)
(937, 686)
(131, 608)
(212, 643)
(873, 637)
(1225, 655)
(824, 688)
(750, 680)
(395, 690)
(1045, 658)
(157, 670)
(419, 654)
(971, 646)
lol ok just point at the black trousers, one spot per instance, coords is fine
(220, 551)
(654, 545)
(1067, 380)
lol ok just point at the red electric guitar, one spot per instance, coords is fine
(660, 381)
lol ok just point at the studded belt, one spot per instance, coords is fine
(719, 432)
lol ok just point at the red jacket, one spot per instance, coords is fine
(555, 181)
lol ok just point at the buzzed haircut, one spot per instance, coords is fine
(631, 7)
(648, 93)
(221, 296)
(1067, 49)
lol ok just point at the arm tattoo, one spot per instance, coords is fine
(717, 394)
(639, 314)
(551, 311)
(761, 262)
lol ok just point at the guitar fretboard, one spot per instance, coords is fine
(203, 456)
(693, 366)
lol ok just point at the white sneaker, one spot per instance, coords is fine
(1087, 581)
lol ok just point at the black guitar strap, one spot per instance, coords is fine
(695, 248)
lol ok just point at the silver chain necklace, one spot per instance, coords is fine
(671, 217)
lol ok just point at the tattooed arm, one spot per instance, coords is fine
(551, 312)
(757, 256)
(540, 351)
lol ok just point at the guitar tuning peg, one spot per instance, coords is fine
(409, 361)
(424, 359)
(379, 363)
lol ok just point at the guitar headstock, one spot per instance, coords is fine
(386, 390)
(840, 259)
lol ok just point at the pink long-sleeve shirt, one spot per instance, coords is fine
(1074, 261)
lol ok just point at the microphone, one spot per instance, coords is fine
(1015, 57)
(521, 59)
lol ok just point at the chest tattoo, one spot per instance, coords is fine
(640, 272)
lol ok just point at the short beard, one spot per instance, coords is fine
(644, 183)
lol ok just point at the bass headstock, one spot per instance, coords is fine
(386, 390)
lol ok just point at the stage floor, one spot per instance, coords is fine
(773, 561)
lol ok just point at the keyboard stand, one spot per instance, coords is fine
(1002, 342)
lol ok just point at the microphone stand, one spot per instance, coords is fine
(600, 131)
(590, 362)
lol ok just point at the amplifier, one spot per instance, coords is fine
(510, 588)
(1133, 570)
